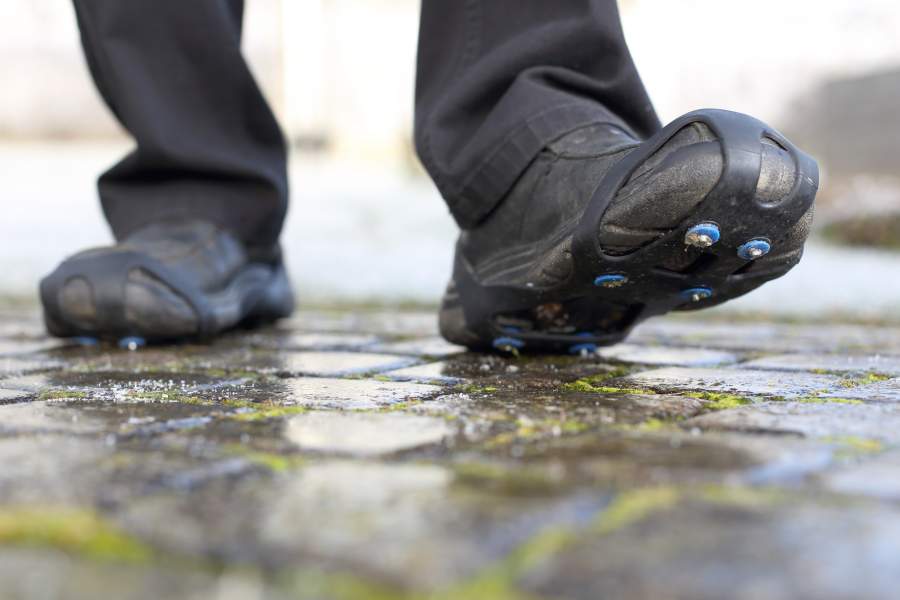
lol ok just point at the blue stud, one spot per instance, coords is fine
(587, 348)
(754, 249)
(508, 344)
(85, 341)
(696, 294)
(612, 280)
(132, 342)
(702, 235)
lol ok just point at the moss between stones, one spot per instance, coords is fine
(472, 388)
(274, 462)
(515, 481)
(63, 395)
(79, 532)
(819, 400)
(855, 445)
(720, 401)
(871, 377)
(273, 412)
(593, 384)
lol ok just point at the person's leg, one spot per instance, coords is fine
(580, 217)
(198, 206)
(499, 79)
(207, 144)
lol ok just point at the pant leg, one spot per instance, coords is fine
(499, 79)
(207, 144)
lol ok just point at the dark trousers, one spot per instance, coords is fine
(497, 80)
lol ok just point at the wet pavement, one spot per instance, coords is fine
(350, 455)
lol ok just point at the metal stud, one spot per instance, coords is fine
(508, 344)
(702, 235)
(132, 343)
(696, 294)
(611, 280)
(754, 249)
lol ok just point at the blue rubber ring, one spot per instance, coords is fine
(132, 342)
(611, 280)
(711, 230)
(579, 348)
(746, 250)
(507, 342)
(85, 340)
(702, 292)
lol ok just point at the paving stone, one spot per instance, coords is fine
(329, 341)
(365, 434)
(343, 363)
(431, 346)
(768, 337)
(18, 347)
(45, 417)
(663, 355)
(14, 365)
(877, 477)
(839, 363)
(436, 372)
(405, 485)
(737, 381)
(355, 394)
(12, 395)
(880, 391)
(865, 421)
(746, 548)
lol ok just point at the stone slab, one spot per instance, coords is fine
(431, 346)
(830, 421)
(737, 381)
(838, 363)
(355, 394)
(365, 434)
(343, 363)
(435, 372)
(666, 355)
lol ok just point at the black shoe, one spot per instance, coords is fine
(167, 281)
(603, 231)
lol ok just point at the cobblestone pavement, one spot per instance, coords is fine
(356, 455)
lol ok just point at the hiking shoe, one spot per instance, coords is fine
(167, 281)
(604, 230)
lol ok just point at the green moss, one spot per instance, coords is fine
(76, 531)
(594, 384)
(748, 497)
(871, 377)
(633, 506)
(472, 388)
(588, 384)
(820, 400)
(271, 460)
(514, 481)
(650, 425)
(855, 445)
(63, 395)
(719, 401)
(273, 412)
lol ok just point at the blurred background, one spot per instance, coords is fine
(365, 222)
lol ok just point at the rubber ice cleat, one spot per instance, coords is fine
(696, 294)
(754, 249)
(132, 343)
(85, 341)
(702, 235)
(613, 280)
